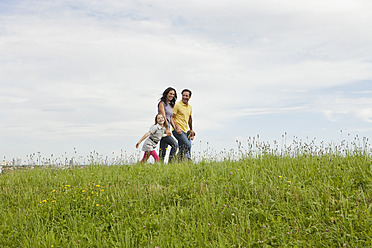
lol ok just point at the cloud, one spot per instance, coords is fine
(82, 68)
(338, 108)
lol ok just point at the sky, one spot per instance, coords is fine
(85, 76)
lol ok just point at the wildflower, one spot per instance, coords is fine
(83, 190)
(53, 190)
(342, 215)
(53, 201)
(289, 181)
(222, 213)
(144, 226)
(326, 230)
(97, 205)
(98, 185)
(44, 200)
(288, 233)
(230, 173)
(15, 229)
(280, 176)
(233, 214)
(102, 190)
(209, 224)
(67, 186)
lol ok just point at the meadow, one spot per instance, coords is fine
(303, 195)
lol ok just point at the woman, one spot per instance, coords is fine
(165, 107)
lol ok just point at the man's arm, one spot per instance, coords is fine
(190, 125)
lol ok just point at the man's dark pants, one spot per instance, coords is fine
(183, 143)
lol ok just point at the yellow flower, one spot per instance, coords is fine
(53, 201)
(280, 176)
(97, 205)
(83, 191)
(88, 198)
(92, 192)
(102, 190)
(289, 181)
(98, 186)
(67, 186)
(53, 190)
(44, 200)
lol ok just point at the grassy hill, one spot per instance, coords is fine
(257, 201)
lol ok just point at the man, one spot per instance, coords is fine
(182, 118)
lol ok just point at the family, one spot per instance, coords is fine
(170, 114)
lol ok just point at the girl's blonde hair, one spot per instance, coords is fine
(165, 121)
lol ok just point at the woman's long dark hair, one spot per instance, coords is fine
(164, 97)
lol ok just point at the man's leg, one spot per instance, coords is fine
(183, 143)
(188, 154)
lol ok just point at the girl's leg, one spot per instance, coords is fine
(146, 156)
(155, 155)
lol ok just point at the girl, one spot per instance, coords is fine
(157, 131)
(165, 107)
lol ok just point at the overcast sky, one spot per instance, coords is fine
(87, 74)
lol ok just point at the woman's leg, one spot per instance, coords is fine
(163, 148)
(174, 145)
(164, 143)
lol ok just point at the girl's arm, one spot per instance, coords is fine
(143, 137)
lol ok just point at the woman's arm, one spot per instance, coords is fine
(162, 111)
(143, 137)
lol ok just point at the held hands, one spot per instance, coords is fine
(178, 130)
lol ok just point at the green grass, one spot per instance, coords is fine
(261, 201)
